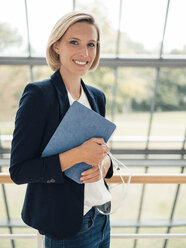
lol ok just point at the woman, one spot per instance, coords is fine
(61, 209)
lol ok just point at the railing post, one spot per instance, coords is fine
(40, 239)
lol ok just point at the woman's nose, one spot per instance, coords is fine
(84, 51)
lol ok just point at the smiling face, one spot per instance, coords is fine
(77, 48)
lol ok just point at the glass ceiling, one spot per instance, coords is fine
(129, 27)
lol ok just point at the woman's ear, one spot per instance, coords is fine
(55, 47)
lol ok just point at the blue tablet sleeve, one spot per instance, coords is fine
(78, 125)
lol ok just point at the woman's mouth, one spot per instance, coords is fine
(80, 62)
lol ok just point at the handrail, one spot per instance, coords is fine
(5, 137)
(135, 178)
(149, 236)
(150, 178)
(113, 236)
(36, 236)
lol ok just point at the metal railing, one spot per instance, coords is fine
(39, 238)
(135, 179)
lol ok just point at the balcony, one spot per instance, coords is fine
(135, 179)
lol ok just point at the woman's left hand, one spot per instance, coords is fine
(93, 174)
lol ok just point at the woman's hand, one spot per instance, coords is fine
(99, 159)
(93, 151)
(93, 174)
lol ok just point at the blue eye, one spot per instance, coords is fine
(74, 42)
(91, 45)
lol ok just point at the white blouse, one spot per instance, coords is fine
(95, 193)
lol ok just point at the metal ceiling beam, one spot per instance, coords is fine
(104, 62)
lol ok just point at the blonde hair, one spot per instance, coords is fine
(59, 30)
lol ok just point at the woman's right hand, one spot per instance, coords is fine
(93, 151)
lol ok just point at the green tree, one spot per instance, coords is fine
(8, 36)
(12, 78)
(172, 90)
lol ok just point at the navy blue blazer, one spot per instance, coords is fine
(53, 203)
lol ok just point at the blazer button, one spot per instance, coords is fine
(52, 180)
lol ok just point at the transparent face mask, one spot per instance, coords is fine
(118, 190)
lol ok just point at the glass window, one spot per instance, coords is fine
(142, 26)
(133, 102)
(12, 82)
(107, 16)
(158, 243)
(103, 79)
(180, 209)
(129, 107)
(170, 116)
(13, 31)
(172, 243)
(41, 72)
(15, 197)
(42, 17)
(152, 206)
(175, 38)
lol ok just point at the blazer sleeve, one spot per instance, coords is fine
(26, 164)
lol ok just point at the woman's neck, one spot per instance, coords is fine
(72, 84)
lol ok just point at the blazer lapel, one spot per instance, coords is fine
(90, 97)
(61, 93)
(63, 96)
